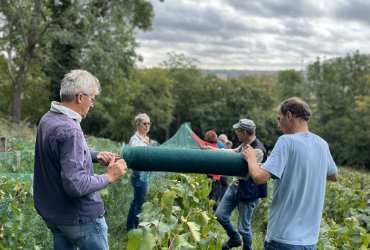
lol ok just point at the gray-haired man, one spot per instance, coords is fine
(65, 187)
(243, 192)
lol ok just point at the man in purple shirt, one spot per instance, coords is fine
(65, 187)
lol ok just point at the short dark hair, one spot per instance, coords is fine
(297, 107)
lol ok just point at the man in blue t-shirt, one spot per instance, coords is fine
(299, 165)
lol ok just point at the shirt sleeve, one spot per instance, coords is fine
(276, 162)
(77, 173)
(94, 156)
(332, 167)
(259, 155)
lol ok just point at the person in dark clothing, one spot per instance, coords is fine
(65, 187)
(243, 193)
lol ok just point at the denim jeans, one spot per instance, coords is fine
(228, 203)
(274, 245)
(89, 235)
(140, 190)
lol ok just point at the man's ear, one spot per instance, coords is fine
(79, 98)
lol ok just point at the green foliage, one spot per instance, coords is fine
(291, 83)
(350, 236)
(99, 36)
(183, 219)
(341, 114)
(118, 123)
(61, 35)
(346, 215)
(5, 88)
(20, 227)
(178, 214)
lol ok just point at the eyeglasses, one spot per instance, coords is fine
(92, 99)
(146, 123)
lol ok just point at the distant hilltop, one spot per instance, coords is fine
(225, 73)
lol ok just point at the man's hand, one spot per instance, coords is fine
(258, 174)
(104, 158)
(249, 155)
(116, 170)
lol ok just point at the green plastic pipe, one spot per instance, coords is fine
(180, 160)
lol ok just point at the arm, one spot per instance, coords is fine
(104, 158)
(333, 177)
(199, 141)
(77, 173)
(259, 175)
(332, 174)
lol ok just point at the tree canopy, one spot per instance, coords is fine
(41, 40)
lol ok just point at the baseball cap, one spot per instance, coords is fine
(245, 124)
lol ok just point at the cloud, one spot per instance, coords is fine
(255, 34)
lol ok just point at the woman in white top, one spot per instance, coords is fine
(139, 179)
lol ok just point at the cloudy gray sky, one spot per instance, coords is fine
(255, 34)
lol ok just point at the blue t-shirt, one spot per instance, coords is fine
(299, 164)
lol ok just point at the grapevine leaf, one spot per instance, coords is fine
(180, 242)
(194, 230)
(167, 199)
(148, 241)
(365, 239)
(134, 237)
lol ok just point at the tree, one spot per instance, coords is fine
(22, 30)
(187, 85)
(342, 108)
(105, 32)
(155, 98)
(290, 83)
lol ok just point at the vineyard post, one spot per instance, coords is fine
(18, 159)
(3, 145)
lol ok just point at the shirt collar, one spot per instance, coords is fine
(59, 108)
(146, 140)
(249, 143)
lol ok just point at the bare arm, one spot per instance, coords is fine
(333, 177)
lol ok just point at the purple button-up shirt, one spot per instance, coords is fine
(65, 187)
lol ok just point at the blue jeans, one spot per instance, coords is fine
(228, 203)
(274, 245)
(140, 190)
(89, 235)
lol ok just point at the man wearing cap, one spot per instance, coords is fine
(299, 165)
(243, 192)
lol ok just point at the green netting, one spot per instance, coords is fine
(16, 161)
(18, 176)
(182, 138)
(183, 160)
(182, 153)
(22, 154)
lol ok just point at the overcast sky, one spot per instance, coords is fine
(255, 34)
